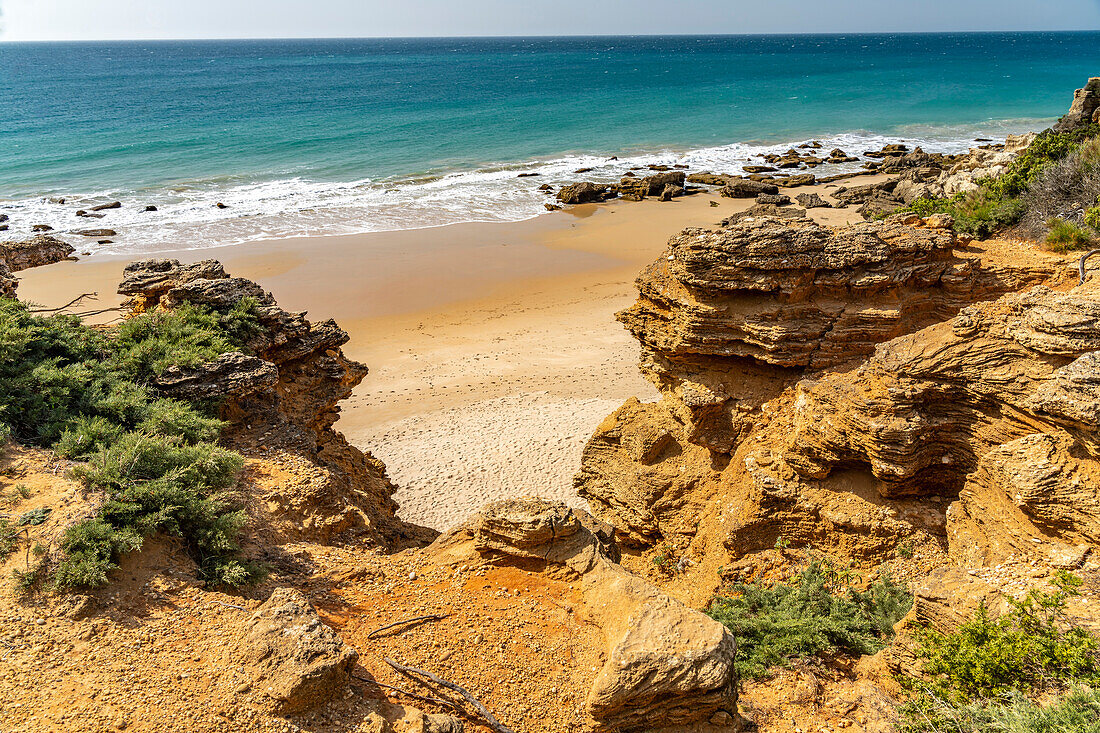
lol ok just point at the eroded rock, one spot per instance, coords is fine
(667, 665)
(298, 661)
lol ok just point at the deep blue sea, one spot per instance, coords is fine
(338, 136)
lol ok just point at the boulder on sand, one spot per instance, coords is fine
(812, 201)
(582, 193)
(743, 188)
(302, 662)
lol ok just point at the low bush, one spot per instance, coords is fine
(1056, 171)
(1032, 647)
(814, 615)
(84, 393)
(1092, 218)
(1065, 236)
(981, 674)
(1076, 712)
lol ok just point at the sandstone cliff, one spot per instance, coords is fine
(730, 318)
(282, 397)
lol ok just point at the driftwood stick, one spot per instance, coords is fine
(1081, 264)
(71, 303)
(481, 709)
(432, 617)
(422, 698)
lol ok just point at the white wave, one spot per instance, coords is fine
(188, 217)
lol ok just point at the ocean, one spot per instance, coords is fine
(309, 137)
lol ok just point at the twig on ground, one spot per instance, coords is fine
(422, 698)
(70, 304)
(431, 617)
(230, 605)
(481, 709)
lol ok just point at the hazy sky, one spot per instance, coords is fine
(94, 19)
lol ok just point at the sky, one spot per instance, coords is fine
(23, 20)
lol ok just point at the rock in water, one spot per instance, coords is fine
(104, 207)
(302, 662)
(654, 185)
(95, 232)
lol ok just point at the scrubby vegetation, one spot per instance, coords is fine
(816, 614)
(85, 393)
(1056, 178)
(1065, 236)
(981, 674)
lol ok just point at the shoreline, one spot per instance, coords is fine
(492, 348)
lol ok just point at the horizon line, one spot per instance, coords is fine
(540, 36)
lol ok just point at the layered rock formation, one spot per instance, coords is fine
(282, 395)
(1085, 109)
(728, 319)
(23, 255)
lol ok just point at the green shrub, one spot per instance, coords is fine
(1076, 712)
(1046, 148)
(9, 539)
(1065, 237)
(186, 336)
(1092, 218)
(999, 202)
(1031, 647)
(814, 615)
(82, 392)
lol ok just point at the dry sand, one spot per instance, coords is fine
(493, 348)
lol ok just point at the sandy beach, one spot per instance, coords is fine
(493, 348)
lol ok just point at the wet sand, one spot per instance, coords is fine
(493, 348)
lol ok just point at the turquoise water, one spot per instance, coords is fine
(334, 136)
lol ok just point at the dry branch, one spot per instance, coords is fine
(422, 698)
(1081, 265)
(481, 709)
(71, 303)
(432, 617)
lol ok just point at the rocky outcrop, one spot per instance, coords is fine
(1084, 110)
(961, 175)
(746, 188)
(282, 395)
(299, 662)
(582, 193)
(1041, 490)
(666, 664)
(729, 320)
(926, 407)
(812, 201)
(654, 185)
(23, 255)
